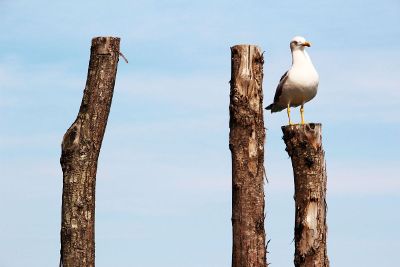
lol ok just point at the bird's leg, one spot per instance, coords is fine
(288, 113)
(302, 114)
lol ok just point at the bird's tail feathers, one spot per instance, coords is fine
(270, 107)
(274, 108)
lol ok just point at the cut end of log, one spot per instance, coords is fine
(246, 76)
(244, 46)
(309, 133)
(311, 125)
(105, 45)
(101, 38)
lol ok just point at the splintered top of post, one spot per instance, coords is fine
(310, 125)
(105, 37)
(301, 134)
(246, 47)
(244, 57)
(246, 75)
(105, 45)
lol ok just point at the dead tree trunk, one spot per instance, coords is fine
(80, 150)
(304, 146)
(246, 142)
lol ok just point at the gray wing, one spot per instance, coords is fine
(278, 91)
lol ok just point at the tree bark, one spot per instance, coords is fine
(246, 142)
(80, 151)
(304, 146)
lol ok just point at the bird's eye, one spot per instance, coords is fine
(294, 42)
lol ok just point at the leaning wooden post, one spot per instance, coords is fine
(246, 142)
(304, 146)
(80, 150)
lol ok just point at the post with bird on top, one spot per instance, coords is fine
(246, 143)
(304, 146)
(80, 151)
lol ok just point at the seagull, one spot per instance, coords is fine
(299, 84)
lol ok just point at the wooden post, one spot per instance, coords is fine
(80, 150)
(304, 146)
(246, 142)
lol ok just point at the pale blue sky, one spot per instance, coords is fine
(163, 184)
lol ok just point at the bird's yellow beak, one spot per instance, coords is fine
(307, 44)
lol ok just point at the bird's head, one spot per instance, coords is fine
(299, 43)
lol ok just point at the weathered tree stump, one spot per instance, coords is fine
(246, 142)
(80, 151)
(304, 146)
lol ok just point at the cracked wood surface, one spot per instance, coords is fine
(246, 142)
(80, 151)
(304, 146)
